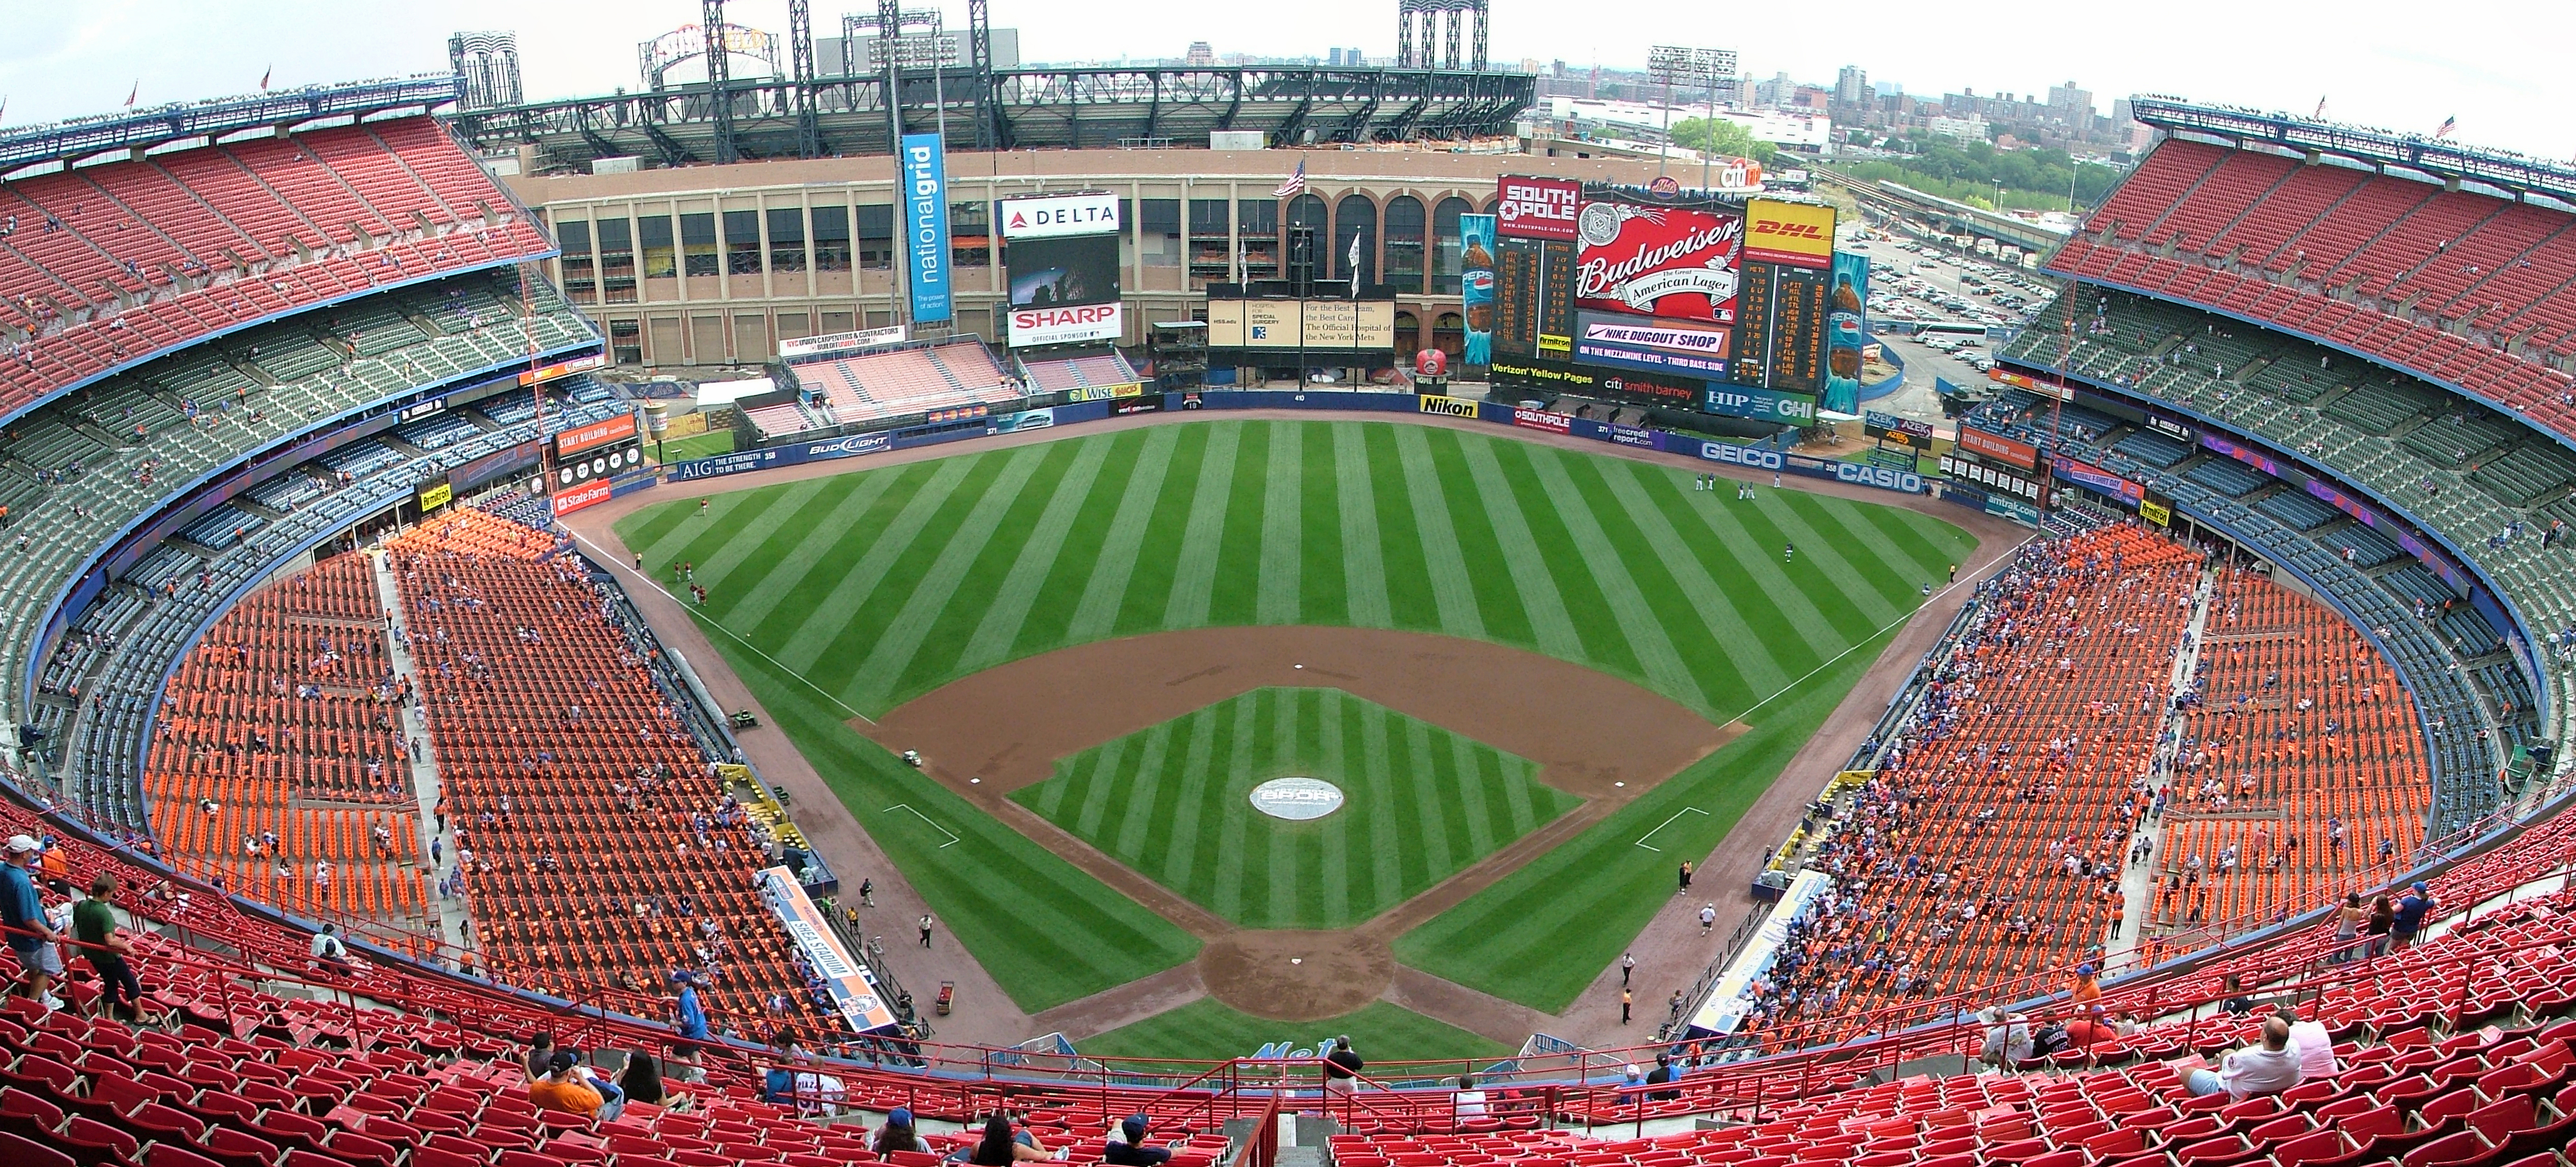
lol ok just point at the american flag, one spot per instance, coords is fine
(1296, 183)
(2448, 125)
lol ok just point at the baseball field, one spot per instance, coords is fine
(1539, 676)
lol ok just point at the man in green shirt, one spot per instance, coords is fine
(94, 926)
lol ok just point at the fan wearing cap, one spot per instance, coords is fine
(31, 937)
(2087, 987)
(2409, 920)
(1127, 1147)
(571, 1088)
(898, 1134)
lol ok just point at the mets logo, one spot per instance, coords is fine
(1788, 230)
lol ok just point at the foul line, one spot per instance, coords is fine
(1883, 629)
(711, 622)
(952, 835)
(1641, 839)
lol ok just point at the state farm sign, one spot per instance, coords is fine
(1066, 325)
(1538, 208)
(1658, 261)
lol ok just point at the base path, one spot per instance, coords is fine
(1040, 728)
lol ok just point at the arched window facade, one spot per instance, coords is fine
(1405, 224)
(1445, 245)
(1354, 221)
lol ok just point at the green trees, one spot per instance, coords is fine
(1720, 136)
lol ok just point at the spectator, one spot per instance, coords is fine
(1130, 1150)
(22, 912)
(2088, 1030)
(2315, 1045)
(1001, 1148)
(2008, 1041)
(2236, 1001)
(2408, 920)
(94, 925)
(2268, 1068)
(898, 1135)
(641, 1080)
(571, 1088)
(328, 949)
(690, 1016)
(2347, 924)
(1342, 1066)
(2086, 989)
(1468, 1104)
(1663, 1075)
(2383, 917)
(541, 1051)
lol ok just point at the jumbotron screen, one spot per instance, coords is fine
(1600, 286)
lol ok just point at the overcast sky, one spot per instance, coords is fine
(2493, 64)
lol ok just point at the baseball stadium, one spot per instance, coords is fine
(908, 606)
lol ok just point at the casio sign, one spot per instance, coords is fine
(1735, 455)
(1880, 477)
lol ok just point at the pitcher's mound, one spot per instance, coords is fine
(1296, 976)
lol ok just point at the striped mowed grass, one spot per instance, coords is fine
(853, 593)
(1174, 802)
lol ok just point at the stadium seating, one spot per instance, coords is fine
(2458, 286)
(604, 849)
(105, 265)
(2465, 474)
(278, 723)
(885, 386)
(1069, 374)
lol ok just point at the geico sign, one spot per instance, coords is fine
(1880, 477)
(1735, 455)
(1783, 230)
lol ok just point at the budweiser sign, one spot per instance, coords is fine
(1659, 261)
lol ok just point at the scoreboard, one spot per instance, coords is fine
(1704, 293)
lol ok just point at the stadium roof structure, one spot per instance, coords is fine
(1035, 108)
(142, 129)
(2501, 170)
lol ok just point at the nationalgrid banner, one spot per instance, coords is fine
(925, 218)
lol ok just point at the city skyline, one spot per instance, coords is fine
(2504, 91)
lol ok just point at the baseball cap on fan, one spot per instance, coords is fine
(22, 845)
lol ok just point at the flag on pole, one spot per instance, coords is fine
(136, 92)
(2321, 107)
(1355, 263)
(263, 78)
(2448, 125)
(1296, 182)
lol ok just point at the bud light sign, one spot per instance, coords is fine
(925, 220)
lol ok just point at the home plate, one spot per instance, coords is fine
(1296, 960)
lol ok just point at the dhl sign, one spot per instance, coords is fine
(1799, 234)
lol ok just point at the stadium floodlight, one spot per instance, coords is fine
(1672, 65)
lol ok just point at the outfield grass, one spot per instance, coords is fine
(705, 445)
(872, 587)
(1204, 1028)
(1172, 801)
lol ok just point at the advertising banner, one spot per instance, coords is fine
(1998, 447)
(1846, 324)
(563, 369)
(1225, 324)
(1072, 324)
(1658, 261)
(1104, 392)
(1048, 216)
(2170, 428)
(1993, 478)
(1755, 457)
(925, 225)
(1449, 406)
(2021, 381)
(1689, 347)
(1559, 377)
(1879, 425)
(1538, 208)
(1476, 285)
(2155, 512)
(2244, 454)
(1759, 404)
(851, 986)
(2095, 478)
(1798, 234)
(839, 342)
(1540, 419)
(2012, 508)
(1013, 423)
(581, 497)
(434, 495)
(1274, 323)
(597, 433)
